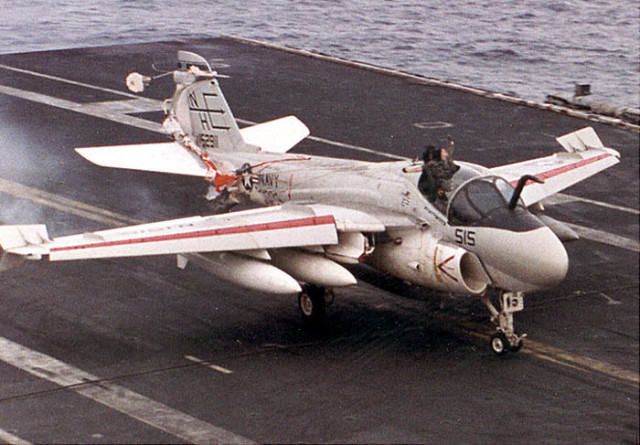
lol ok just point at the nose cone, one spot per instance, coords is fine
(527, 261)
(548, 260)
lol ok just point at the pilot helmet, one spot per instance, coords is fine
(430, 153)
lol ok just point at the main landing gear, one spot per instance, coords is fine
(312, 302)
(505, 340)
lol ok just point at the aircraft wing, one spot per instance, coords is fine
(584, 157)
(249, 230)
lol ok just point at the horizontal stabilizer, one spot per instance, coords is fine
(276, 136)
(165, 157)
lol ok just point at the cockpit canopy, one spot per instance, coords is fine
(476, 201)
(479, 198)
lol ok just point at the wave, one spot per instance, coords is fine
(498, 45)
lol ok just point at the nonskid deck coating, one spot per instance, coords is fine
(385, 369)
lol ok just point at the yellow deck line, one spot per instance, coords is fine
(558, 356)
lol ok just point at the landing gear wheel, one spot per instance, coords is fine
(517, 346)
(499, 343)
(312, 304)
(506, 339)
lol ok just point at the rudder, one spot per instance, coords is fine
(200, 107)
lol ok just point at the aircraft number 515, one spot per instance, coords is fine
(466, 237)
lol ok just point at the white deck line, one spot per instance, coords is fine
(12, 439)
(210, 365)
(600, 236)
(561, 198)
(137, 406)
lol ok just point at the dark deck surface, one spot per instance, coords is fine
(385, 369)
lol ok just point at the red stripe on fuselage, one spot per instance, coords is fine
(262, 227)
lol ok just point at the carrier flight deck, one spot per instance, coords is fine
(138, 351)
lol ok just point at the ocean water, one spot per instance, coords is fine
(527, 48)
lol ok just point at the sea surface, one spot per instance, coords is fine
(527, 48)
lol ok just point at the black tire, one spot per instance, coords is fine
(499, 343)
(312, 304)
(517, 347)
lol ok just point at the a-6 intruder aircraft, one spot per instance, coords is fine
(480, 239)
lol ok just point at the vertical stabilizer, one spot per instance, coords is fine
(201, 109)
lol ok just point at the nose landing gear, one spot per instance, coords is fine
(506, 339)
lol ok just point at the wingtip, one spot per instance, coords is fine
(85, 152)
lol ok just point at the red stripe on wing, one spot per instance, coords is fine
(261, 227)
(565, 168)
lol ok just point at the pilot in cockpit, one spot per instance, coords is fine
(437, 170)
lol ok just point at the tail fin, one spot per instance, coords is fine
(201, 109)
